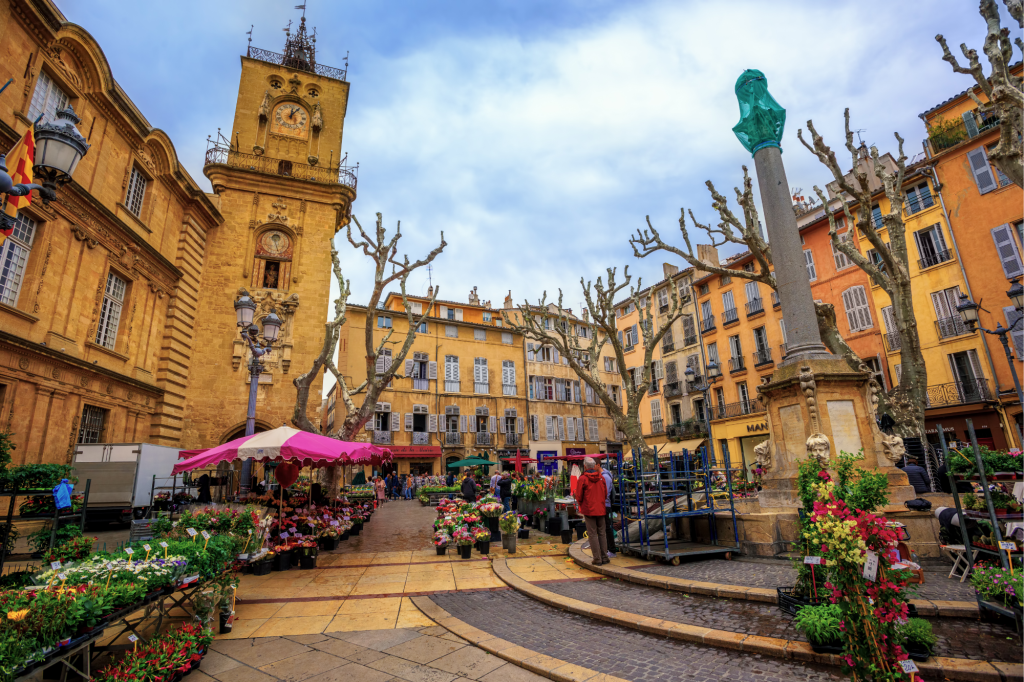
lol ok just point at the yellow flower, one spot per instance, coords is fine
(17, 615)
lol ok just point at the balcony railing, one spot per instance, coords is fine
(690, 341)
(673, 389)
(955, 132)
(451, 386)
(452, 438)
(481, 387)
(513, 439)
(754, 307)
(508, 389)
(892, 341)
(776, 303)
(918, 203)
(763, 357)
(657, 426)
(328, 175)
(420, 438)
(934, 259)
(736, 409)
(736, 364)
(483, 438)
(782, 350)
(729, 316)
(663, 309)
(959, 393)
(421, 384)
(382, 437)
(686, 429)
(298, 64)
(707, 324)
(949, 327)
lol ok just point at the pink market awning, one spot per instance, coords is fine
(285, 444)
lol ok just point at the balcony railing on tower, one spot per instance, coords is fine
(327, 175)
(279, 59)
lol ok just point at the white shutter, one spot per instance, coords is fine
(554, 355)
(890, 319)
(416, 307)
(431, 370)
(501, 425)
(380, 363)
(458, 314)
(455, 369)
(530, 353)
(370, 424)
(520, 424)
(809, 259)
(432, 423)
(444, 312)
(493, 424)
(464, 423)
(561, 428)
(753, 293)
(659, 369)
(656, 410)
(549, 427)
(864, 309)
(851, 315)
(1006, 249)
(408, 368)
(579, 428)
(395, 426)
(408, 421)
(1017, 336)
(982, 171)
(570, 428)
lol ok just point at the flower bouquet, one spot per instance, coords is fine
(524, 526)
(441, 542)
(464, 539)
(509, 523)
(490, 509)
(163, 658)
(482, 537)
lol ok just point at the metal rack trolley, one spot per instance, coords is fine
(56, 519)
(669, 496)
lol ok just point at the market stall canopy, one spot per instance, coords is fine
(285, 444)
(472, 462)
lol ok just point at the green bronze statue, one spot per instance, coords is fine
(761, 118)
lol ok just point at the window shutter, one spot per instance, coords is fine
(455, 368)
(863, 309)
(570, 429)
(416, 307)
(593, 429)
(431, 370)
(464, 423)
(408, 368)
(1006, 249)
(458, 314)
(521, 424)
(619, 333)
(636, 337)
(579, 427)
(370, 424)
(549, 427)
(851, 313)
(380, 363)
(408, 421)
(501, 426)
(970, 125)
(659, 368)
(809, 259)
(394, 422)
(561, 428)
(656, 410)
(432, 423)
(982, 171)
(493, 424)
(444, 312)
(1017, 335)
(554, 355)
(753, 293)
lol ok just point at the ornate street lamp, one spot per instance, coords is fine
(245, 311)
(1016, 293)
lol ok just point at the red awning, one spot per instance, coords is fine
(415, 450)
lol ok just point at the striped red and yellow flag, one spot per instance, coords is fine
(19, 167)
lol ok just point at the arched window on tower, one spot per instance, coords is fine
(273, 261)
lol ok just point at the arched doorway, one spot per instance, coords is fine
(239, 432)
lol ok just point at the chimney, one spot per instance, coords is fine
(508, 300)
(669, 269)
(586, 315)
(473, 298)
(708, 254)
(430, 291)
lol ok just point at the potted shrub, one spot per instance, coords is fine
(821, 626)
(509, 523)
(920, 640)
(483, 539)
(464, 539)
(441, 542)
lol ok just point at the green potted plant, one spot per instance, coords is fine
(509, 524)
(920, 641)
(464, 539)
(821, 625)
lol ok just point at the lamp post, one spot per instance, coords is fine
(58, 149)
(968, 310)
(245, 310)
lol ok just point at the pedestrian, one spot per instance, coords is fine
(407, 487)
(449, 480)
(591, 492)
(379, 487)
(505, 491)
(495, 479)
(609, 525)
(917, 476)
(469, 488)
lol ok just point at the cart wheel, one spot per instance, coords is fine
(728, 556)
(675, 561)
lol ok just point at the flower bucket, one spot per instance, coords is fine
(511, 547)
(344, 536)
(225, 622)
(307, 562)
(567, 537)
(581, 528)
(442, 550)
(524, 534)
(484, 547)
(466, 551)
(282, 562)
(262, 567)
(328, 544)
(354, 530)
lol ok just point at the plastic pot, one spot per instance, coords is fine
(282, 562)
(581, 528)
(567, 537)
(466, 551)
(524, 534)
(225, 623)
(484, 547)
(442, 550)
(262, 567)
(306, 562)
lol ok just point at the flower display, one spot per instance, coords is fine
(997, 584)
(462, 536)
(160, 659)
(490, 509)
(481, 534)
(509, 522)
(442, 539)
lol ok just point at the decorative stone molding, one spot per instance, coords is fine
(80, 234)
(809, 389)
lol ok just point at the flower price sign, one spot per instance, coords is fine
(870, 565)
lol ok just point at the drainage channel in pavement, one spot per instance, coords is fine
(614, 650)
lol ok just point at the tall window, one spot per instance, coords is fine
(451, 373)
(480, 376)
(479, 335)
(110, 313)
(842, 260)
(947, 317)
(858, 312)
(508, 377)
(47, 99)
(812, 274)
(919, 198)
(931, 245)
(13, 256)
(713, 353)
(136, 192)
(93, 421)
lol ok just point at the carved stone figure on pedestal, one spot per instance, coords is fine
(763, 454)
(820, 449)
(893, 448)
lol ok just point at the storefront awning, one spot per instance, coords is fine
(398, 451)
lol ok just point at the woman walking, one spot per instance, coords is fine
(378, 486)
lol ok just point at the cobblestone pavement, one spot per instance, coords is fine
(986, 640)
(428, 654)
(614, 650)
(398, 525)
(773, 573)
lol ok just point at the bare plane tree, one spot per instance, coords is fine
(905, 402)
(379, 371)
(1002, 89)
(557, 330)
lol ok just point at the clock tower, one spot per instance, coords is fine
(281, 183)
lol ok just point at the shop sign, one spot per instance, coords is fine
(755, 428)
(575, 451)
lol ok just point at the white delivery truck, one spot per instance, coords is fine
(122, 478)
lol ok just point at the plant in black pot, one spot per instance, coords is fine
(821, 625)
(581, 528)
(464, 539)
(281, 558)
(524, 527)
(920, 642)
(483, 539)
(308, 552)
(441, 542)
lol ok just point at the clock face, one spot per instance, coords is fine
(290, 120)
(275, 244)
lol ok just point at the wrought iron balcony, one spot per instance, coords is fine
(754, 307)
(420, 438)
(452, 438)
(279, 59)
(916, 204)
(328, 175)
(736, 409)
(763, 357)
(673, 389)
(451, 386)
(421, 384)
(508, 389)
(690, 429)
(776, 303)
(689, 341)
(729, 316)
(483, 438)
(892, 341)
(736, 364)
(513, 439)
(934, 259)
(948, 327)
(707, 324)
(954, 132)
(657, 426)
(481, 387)
(382, 437)
(959, 393)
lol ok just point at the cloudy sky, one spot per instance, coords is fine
(537, 134)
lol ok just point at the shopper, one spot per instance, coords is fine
(591, 493)
(469, 488)
(407, 487)
(381, 490)
(449, 480)
(608, 516)
(504, 491)
(917, 476)
(495, 479)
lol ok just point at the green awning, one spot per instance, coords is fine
(471, 462)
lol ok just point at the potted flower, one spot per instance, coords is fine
(357, 523)
(307, 551)
(261, 562)
(920, 641)
(998, 585)
(509, 523)
(483, 539)
(441, 542)
(821, 625)
(464, 539)
(328, 539)
(524, 527)
(282, 557)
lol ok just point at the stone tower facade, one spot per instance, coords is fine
(280, 183)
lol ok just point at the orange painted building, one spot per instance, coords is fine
(986, 213)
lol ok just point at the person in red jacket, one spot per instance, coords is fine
(591, 492)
